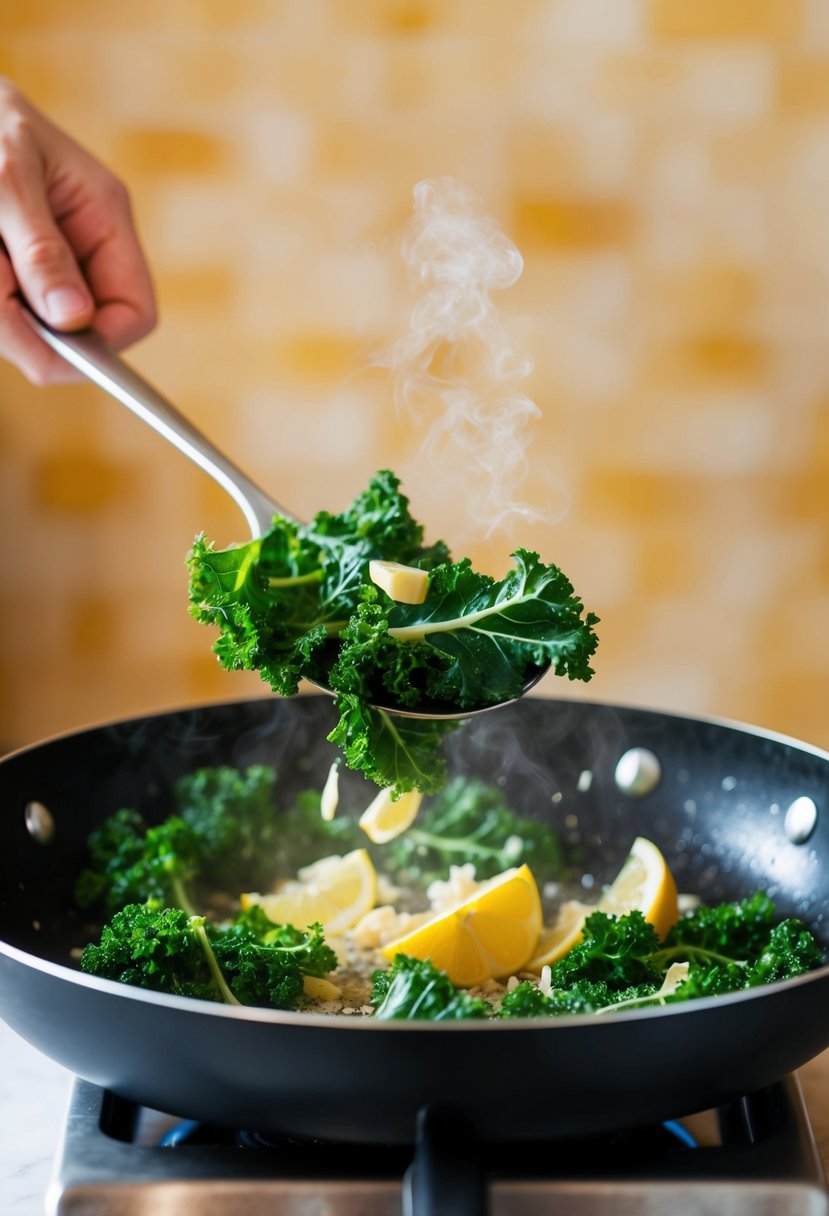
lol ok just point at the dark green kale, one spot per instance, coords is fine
(278, 600)
(790, 950)
(476, 639)
(470, 821)
(226, 834)
(249, 962)
(621, 952)
(164, 949)
(299, 602)
(264, 963)
(621, 964)
(416, 990)
(740, 928)
(232, 815)
(133, 863)
(113, 848)
(403, 753)
(739, 945)
(526, 999)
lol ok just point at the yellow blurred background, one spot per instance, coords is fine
(663, 167)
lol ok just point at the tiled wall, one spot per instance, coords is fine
(663, 167)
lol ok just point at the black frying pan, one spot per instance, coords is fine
(719, 811)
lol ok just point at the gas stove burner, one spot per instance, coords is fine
(758, 1149)
(640, 1142)
(287, 1151)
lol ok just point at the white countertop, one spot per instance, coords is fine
(34, 1093)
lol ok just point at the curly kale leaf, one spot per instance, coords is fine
(739, 945)
(223, 829)
(380, 516)
(620, 963)
(232, 814)
(401, 753)
(277, 600)
(250, 962)
(158, 948)
(617, 951)
(470, 821)
(472, 643)
(299, 602)
(114, 847)
(264, 963)
(414, 989)
(226, 835)
(493, 632)
(736, 929)
(133, 863)
(791, 950)
(527, 1000)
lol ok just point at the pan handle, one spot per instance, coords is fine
(446, 1177)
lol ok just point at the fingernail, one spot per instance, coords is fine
(65, 304)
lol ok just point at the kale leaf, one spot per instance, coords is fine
(414, 989)
(471, 821)
(157, 948)
(403, 753)
(264, 963)
(249, 962)
(621, 964)
(298, 601)
(739, 945)
(226, 834)
(131, 862)
(231, 812)
(616, 951)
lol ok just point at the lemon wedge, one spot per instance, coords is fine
(560, 937)
(644, 883)
(335, 892)
(486, 936)
(385, 817)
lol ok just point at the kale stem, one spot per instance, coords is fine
(296, 580)
(631, 1002)
(695, 952)
(448, 844)
(333, 628)
(179, 894)
(416, 633)
(212, 962)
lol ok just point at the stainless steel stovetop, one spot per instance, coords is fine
(755, 1157)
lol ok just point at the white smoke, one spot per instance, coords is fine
(458, 370)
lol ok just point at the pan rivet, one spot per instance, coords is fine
(638, 772)
(800, 820)
(39, 822)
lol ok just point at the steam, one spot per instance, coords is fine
(458, 370)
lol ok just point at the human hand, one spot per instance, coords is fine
(67, 244)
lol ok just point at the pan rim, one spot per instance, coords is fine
(732, 724)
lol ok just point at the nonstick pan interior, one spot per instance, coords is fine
(717, 799)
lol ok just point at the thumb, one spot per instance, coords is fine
(46, 270)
